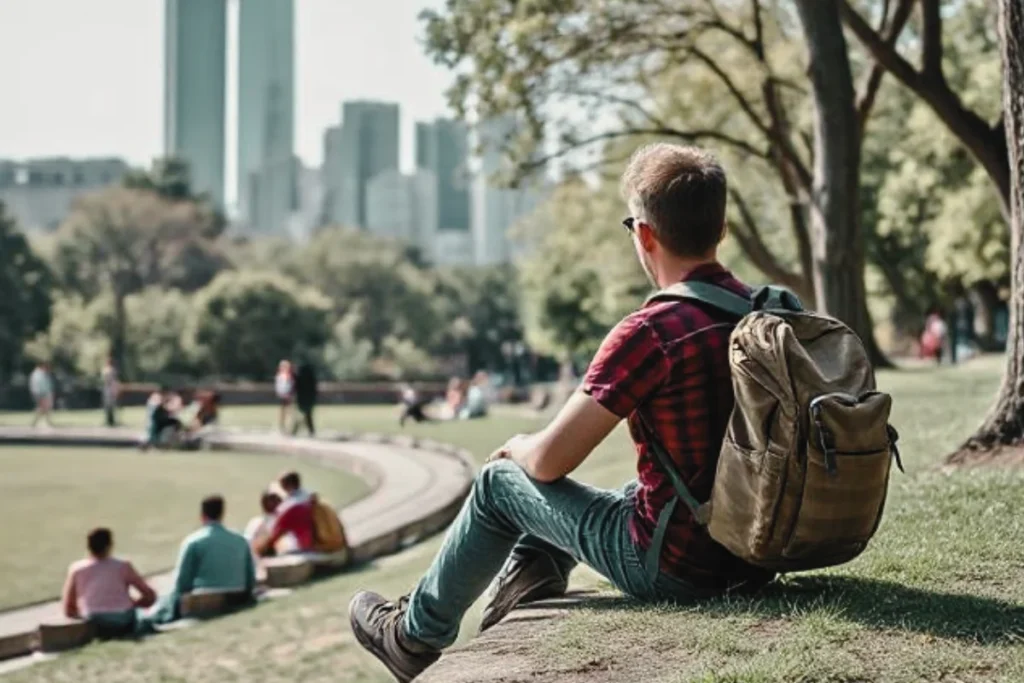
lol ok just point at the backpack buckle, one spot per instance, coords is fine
(894, 436)
(826, 441)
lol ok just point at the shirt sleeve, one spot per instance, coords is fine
(185, 574)
(250, 571)
(629, 366)
(283, 523)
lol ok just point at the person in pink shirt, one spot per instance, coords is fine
(98, 589)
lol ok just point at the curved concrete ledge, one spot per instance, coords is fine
(417, 488)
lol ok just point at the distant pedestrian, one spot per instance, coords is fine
(412, 406)
(933, 339)
(40, 385)
(111, 388)
(284, 389)
(305, 396)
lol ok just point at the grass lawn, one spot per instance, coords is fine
(939, 596)
(51, 497)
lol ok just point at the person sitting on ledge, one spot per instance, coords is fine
(98, 589)
(205, 408)
(476, 398)
(211, 559)
(665, 369)
(259, 528)
(293, 519)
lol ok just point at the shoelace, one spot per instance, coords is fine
(387, 612)
(503, 576)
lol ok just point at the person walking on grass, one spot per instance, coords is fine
(665, 369)
(111, 389)
(98, 589)
(40, 385)
(305, 396)
(284, 389)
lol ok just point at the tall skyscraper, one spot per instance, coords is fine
(266, 114)
(195, 49)
(496, 209)
(441, 148)
(364, 146)
(403, 207)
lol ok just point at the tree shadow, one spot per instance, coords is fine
(869, 602)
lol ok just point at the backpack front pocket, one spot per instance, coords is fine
(847, 465)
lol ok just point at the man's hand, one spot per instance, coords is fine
(506, 451)
(560, 447)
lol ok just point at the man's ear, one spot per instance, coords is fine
(646, 234)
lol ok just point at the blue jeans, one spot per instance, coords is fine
(570, 521)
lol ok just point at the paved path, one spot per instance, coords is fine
(415, 491)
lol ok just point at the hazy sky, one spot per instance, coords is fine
(85, 77)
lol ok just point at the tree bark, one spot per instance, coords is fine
(1004, 425)
(835, 202)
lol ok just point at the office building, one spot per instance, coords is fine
(195, 49)
(496, 209)
(308, 215)
(364, 146)
(403, 207)
(441, 148)
(452, 248)
(39, 193)
(266, 115)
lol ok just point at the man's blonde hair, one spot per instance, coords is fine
(681, 192)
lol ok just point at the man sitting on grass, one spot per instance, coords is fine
(665, 369)
(211, 559)
(98, 589)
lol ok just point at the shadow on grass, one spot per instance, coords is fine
(869, 602)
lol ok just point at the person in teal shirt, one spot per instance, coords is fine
(212, 558)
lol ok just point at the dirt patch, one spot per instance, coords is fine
(1001, 456)
(509, 652)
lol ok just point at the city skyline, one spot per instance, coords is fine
(70, 90)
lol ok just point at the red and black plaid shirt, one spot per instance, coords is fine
(666, 366)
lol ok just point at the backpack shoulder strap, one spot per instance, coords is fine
(705, 292)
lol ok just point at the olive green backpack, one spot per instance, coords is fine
(804, 467)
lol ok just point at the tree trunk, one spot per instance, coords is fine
(1004, 425)
(835, 203)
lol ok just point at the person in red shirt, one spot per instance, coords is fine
(665, 370)
(294, 516)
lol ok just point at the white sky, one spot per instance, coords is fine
(85, 77)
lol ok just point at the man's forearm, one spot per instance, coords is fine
(523, 452)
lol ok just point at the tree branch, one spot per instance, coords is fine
(967, 125)
(931, 42)
(750, 241)
(727, 81)
(692, 136)
(627, 102)
(884, 53)
(873, 81)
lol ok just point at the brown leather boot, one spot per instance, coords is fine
(377, 624)
(528, 577)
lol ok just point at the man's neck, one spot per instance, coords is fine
(676, 270)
